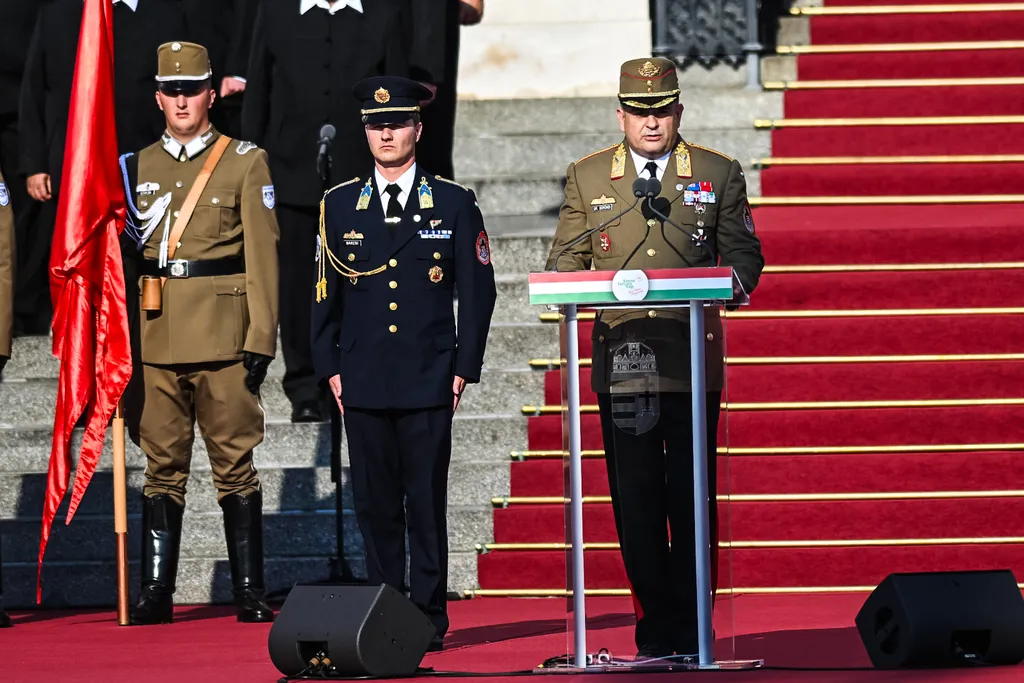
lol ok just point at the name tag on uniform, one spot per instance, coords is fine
(435, 234)
(147, 188)
(603, 203)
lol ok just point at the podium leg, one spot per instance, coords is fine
(702, 532)
(576, 484)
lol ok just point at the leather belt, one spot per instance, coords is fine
(180, 269)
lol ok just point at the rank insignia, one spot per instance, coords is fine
(683, 169)
(483, 249)
(364, 196)
(244, 146)
(425, 194)
(619, 162)
(436, 274)
(606, 242)
(603, 203)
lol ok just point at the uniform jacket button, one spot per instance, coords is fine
(393, 329)
(393, 306)
(351, 257)
(711, 337)
(393, 263)
(652, 252)
(215, 201)
(652, 314)
(437, 256)
(179, 184)
(393, 285)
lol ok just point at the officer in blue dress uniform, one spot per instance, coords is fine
(395, 246)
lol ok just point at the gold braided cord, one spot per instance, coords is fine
(336, 263)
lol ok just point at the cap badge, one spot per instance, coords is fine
(175, 47)
(382, 96)
(649, 69)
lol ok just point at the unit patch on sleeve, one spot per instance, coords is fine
(5, 197)
(268, 196)
(483, 249)
(748, 218)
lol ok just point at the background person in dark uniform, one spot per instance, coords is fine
(306, 55)
(225, 28)
(206, 345)
(395, 245)
(140, 26)
(651, 473)
(17, 21)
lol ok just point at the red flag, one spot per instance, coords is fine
(90, 322)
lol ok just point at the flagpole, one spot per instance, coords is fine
(121, 515)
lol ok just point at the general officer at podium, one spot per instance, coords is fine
(650, 472)
(394, 247)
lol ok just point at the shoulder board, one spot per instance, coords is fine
(452, 182)
(594, 154)
(245, 146)
(708, 149)
(347, 182)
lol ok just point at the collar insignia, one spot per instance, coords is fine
(364, 196)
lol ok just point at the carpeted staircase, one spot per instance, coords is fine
(876, 384)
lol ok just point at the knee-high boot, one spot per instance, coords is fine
(243, 529)
(161, 545)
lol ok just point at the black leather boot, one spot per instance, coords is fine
(243, 529)
(161, 544)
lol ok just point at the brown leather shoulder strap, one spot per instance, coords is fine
(185, 213)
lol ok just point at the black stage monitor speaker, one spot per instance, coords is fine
(944, 619)
(363, 630)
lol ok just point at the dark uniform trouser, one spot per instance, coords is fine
(396, 454)
(651, 480)
(230, 419)
(296, 249)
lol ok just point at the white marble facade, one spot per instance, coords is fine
(551, 48)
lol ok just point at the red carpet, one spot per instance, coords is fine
(860, 336)
(861, 141)
(923, 28)
(925, 64)
(866, 180)
(788, 474)
(978, 100)
(487, 635)
(850, 382)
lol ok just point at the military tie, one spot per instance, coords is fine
(652, 169)
(394, 210)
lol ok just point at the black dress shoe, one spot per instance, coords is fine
(436, 644)
(654, 651)
(252, 609)
(308, 411)
(152, 608)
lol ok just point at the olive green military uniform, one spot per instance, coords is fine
(650, 474)
(205, 347)
(192, 348)
(6, 271)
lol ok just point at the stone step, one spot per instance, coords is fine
(509, 345)
(199, 581)
(705, 108)
(32, 401)
(285, 490)
(475, 438)
(91, 538)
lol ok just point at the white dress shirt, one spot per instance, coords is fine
(404, 183)
(331, 6)
(130, 4)
(641, 162)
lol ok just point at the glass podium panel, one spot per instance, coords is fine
(656, 572)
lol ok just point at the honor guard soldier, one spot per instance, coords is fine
(394, 247)
(6, 311)
(650, 474)
(202, 209)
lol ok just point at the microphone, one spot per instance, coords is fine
(327, 133)
(639, 190)
(653, 188)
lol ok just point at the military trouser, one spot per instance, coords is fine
(230, 420)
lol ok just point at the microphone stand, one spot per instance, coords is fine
(341, 572)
